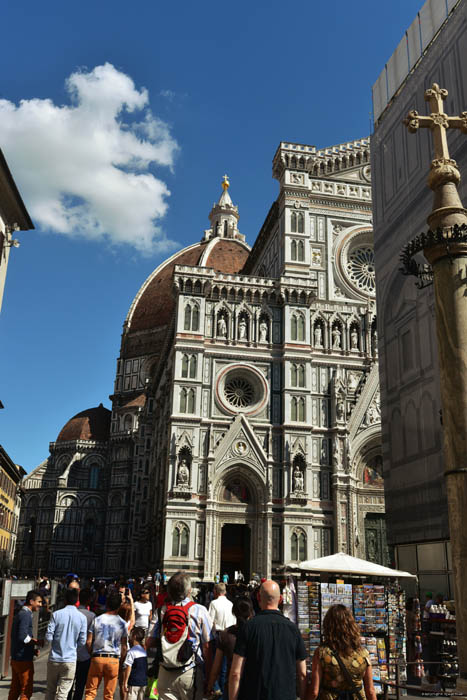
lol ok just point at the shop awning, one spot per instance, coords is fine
(341, 563)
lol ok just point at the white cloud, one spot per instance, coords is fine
(84, 168)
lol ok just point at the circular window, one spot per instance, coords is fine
(355, 263)
(361, 268)
(241, 389)
(239, 392)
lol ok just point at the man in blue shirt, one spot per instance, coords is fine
(22, 649)
(66, 631)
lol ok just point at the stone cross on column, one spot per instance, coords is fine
(437, 121)
(444, 175)
(445, 248)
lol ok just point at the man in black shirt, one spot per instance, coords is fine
(269, 656)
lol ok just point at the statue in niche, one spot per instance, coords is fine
(336, 338)
(297, 480)
(222, 327)
(348, 456)
(352, 381)
(242, 327)
(337, 453)
(353, 339)
(340, 409)
(318, 337)
(263, 331)
(183, 473)
(374, 341)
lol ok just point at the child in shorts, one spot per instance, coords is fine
(135, 667)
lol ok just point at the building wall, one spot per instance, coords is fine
(412, 431)
(10, 498)
(336, 433)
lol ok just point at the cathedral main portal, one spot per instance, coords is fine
(235, 550)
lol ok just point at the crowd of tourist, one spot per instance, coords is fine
(159, 638)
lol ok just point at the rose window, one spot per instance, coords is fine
(239, 392)
(361, 268)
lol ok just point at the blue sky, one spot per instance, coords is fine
(225, 83)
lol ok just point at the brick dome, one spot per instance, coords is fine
(92, 424)
(154, 304)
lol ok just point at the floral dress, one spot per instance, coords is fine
(333, 681)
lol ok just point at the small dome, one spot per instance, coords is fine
(91, 424)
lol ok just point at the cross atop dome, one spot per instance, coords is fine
(224, 216)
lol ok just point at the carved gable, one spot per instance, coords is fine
(239, 445)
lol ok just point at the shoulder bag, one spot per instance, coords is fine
(354, 692)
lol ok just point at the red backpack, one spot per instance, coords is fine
(176, 649)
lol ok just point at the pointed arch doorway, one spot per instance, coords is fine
(235, 550)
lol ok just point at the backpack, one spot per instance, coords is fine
(176, 649)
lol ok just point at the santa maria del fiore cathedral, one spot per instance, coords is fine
(245, 428)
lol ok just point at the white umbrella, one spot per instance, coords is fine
(341, 563)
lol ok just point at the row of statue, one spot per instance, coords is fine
(336, 334)
(242, 331)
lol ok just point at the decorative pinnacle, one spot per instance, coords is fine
(225, 183)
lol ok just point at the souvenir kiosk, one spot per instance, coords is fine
(372, 593)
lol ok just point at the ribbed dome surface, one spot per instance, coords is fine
(155, 302)
(91, 424)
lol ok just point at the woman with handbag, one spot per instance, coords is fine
(341, 667)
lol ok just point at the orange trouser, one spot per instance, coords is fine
(102, 667)
(22, 674)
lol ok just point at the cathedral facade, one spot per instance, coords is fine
(245, 428)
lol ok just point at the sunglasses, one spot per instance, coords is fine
(146, 592)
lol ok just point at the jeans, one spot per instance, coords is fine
(22, 674)
(60, 676)
(102, 668)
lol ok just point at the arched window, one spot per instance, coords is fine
(301, 327)
(301, 375)
(301, 251)
(127, 422)
(191, 401)
(185, 366)
(293, 327)
(293, 222)
(298, 546)
(89, 533)
(180, 540)
(182, 400)
(301, 223)
(293, 375)
(195, 318)
(293, 250)
(187, 324)
(301, 409)
(193, 363)
(184, 541)
(94, 476)
(175, 542)
(191, 321)
(293, 409)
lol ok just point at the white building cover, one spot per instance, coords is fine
(341, 563)
(417, 37)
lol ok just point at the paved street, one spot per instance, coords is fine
(40, 674)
